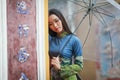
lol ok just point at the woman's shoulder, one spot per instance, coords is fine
(76, 40)
(51, 37)
(75, 37)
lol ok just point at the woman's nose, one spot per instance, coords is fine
(55, 24)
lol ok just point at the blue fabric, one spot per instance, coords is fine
(73, 46)
(67, 52)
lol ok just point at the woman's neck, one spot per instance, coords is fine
(62, 34)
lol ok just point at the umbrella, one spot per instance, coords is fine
(87, 17)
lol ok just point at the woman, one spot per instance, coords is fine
(64, 48)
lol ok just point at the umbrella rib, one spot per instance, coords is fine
(90, 23)
(80, 22)
(79, 11)
(105, 4)
(94, 2)
(84, 3)
(87, 36)
(102, 2)
(78, 27)
(89, 4)
(90, 17)
(107, 12)
(75, 30)
(110, 40)
(81, 1)
(76, 3)
(98, 18)
(102, 13)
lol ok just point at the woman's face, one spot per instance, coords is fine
(55, 24)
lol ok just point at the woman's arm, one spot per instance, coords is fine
(73, 69)
(69, 70)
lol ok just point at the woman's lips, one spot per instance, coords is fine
(57, 28)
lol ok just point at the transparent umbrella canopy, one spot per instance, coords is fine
(96, 23)
(91, 17)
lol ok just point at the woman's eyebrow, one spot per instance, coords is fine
(54, 19)
(49, 22)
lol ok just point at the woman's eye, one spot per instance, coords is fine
(50, 24)
(56, 20)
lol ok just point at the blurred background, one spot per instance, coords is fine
(96, 23)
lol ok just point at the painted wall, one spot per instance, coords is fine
(15, 42)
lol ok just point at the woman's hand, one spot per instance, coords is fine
(55, 61)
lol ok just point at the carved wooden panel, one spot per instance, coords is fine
(21, 13)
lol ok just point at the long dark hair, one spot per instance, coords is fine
(61, 17)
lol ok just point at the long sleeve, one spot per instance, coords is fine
(70, 56)
(69, 70)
